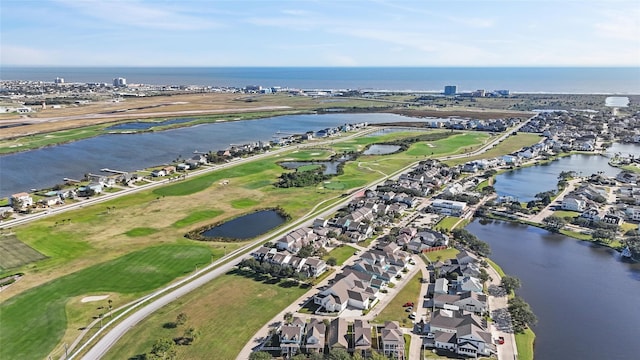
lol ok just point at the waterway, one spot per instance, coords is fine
(247, 226)
(524, 183)
(46, 167)
(585, 296)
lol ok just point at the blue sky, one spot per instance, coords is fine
(320, 33)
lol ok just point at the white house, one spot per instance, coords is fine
(448, 207)
(20, 200)
(573, 204)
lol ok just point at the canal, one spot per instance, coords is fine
(524, 183)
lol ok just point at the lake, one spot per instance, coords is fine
(47, 166)
(379, 149)
(585, 296)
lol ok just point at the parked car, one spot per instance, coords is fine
(412, 315)
(408, 303)
(500, 340)
(409, 308)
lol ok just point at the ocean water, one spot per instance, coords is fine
(613, 80)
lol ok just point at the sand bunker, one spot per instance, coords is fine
(93, 298)
(314, 154)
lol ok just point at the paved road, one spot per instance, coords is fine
(501, 325)
(108, 340)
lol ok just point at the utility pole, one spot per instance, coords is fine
(66, 351)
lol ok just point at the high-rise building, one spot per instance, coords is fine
(59, 80)
(450, 90)
(118, 82)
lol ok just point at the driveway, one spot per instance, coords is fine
(501, 325)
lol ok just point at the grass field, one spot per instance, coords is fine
(447, 223)
(495, 266)
(442, 254)
(524, 343)
(509, 145)
(244, 203)
(14, 253)
(341, 254)
(227, 311)
(197, 216)
(35, 321)
(141, 231)
(394, 310)
(566, 213)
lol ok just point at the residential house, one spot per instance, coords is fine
(468, 300)
(338, 334)
(291, 338)
(441, 286)
(466, 257)
(461, 332)
(351, 288)
(468, 283)
(315, 336)
(392, 340)
(362, 337)
(158, 173)
(314, 266)
(20, 201)
(448, 207)
(573, 204)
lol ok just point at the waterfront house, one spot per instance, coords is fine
(460, 332)
(573, 204)
(465, 257)
(448, 207)
(20, 201)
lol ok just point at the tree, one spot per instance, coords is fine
(288, 317)
(357, 355)
(315, 356)
(306, 251)
(603, 235)
(181, 319)
(521, 314)
(378, 356)
(510, 283)
(260, 355)
(164, 348)
(332, 261)
(191, 334)
(339, 354)
(299, 357)
(484, 275)
(554, 223)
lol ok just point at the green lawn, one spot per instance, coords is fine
(196, 217)
(566, 213)
(341, 254)
(450, 145)
(244, 203)
(447, 223)
(45, 139)
(442, 254)
(524, 342)
(495, 266)
(394, 310)
(35, 321)
(227, 311)
(141, 231)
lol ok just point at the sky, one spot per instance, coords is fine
(320, 33)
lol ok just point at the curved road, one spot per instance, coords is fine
(214, 270)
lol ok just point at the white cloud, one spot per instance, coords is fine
(26, 56)
(140, 15)
(620, 25)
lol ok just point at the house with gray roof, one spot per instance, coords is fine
(392, 340)
(315, 336)
(362, 337)
(338, 334)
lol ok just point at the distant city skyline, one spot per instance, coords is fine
(320, 33)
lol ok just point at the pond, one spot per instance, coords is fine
(330, 167)
(144, 125)
(247, 226)
(379, 149)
